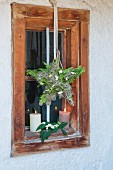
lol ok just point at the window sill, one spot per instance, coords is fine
(35, 136)
(32, 143)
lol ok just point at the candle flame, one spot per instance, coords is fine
(55, 107)
(65, 109)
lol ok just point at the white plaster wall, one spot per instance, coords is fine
(99, 156)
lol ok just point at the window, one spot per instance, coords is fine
(29, 23)
(35, 56)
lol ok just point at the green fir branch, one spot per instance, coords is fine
(57, 81)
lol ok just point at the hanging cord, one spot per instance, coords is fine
(54, 4)
(56, 51)
(58, 57)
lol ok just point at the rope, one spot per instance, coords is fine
(58, 56)
(56, 51)
(54, 4)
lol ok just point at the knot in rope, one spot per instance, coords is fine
(53, 2)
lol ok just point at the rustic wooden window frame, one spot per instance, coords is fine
(74, 23)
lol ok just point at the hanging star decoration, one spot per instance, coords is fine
(56, 80)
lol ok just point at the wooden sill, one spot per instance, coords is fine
(32, 143)
(35, 136)
(24, 148)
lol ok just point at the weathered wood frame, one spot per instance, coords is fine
(75, 24)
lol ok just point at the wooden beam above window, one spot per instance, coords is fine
(35, 11)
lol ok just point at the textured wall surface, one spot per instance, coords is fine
(99, 156)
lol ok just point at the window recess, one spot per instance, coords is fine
(36, 54)
(29, 23)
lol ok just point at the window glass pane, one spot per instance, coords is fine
(35, 49)
(32, 101)
(35, 56)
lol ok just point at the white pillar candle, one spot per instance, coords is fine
(35, 121)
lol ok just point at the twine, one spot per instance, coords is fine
(56, 51)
